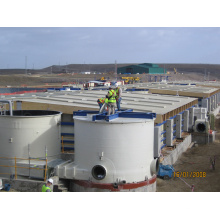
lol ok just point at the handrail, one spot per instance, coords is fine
(23, 158)
(16, 167)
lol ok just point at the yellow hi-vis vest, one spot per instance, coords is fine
(45, 188)
(117, 92)
(111, 96)
(102, 100)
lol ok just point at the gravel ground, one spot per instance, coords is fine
(196, 159)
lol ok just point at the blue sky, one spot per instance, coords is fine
(52, 32)
(46, 46)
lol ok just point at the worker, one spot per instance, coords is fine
(46, 187)
(111, 101)
(118, 96)
(103, 105)
(101, 101)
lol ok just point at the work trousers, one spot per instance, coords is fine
(111, 108)
(118, 102)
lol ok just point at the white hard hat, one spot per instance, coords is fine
(116, 84)
(50, 180)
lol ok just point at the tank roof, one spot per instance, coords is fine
(118, 116)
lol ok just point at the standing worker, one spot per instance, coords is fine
(46, 187)
(118, 96)
(111, 101)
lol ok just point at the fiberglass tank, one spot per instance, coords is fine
(35, 128)
(117, 152)
(25, 133)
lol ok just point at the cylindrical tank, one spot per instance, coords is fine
(114, 152)
(29, 132)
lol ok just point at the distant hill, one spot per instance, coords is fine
(107, 68)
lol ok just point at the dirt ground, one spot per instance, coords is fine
(41, 80)
(196, 159)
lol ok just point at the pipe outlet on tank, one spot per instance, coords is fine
(154, 166)
(99, 172)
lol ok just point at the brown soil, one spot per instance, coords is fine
(196, 159)
(41, 80)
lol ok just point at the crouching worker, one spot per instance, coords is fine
(100, 102)
(46, 186)
(104, 105)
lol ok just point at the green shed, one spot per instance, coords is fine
(148, 68)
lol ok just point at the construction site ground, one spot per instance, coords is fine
(196, 159)
(56, 80)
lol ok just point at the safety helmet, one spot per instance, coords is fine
(50, 181)
(116, 84)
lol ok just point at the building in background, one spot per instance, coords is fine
(148, 68)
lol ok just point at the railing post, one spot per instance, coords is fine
(45, 176)
(62, 145)
(15, 169)
(29, 155)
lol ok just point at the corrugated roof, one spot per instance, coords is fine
(140, 101)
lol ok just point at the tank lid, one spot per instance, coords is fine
(123, 114)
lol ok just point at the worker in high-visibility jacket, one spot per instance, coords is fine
(118, 98)
(101, 101)
(104, 106)
(111, 101)
(46, 186)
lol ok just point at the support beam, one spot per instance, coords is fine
(205, 103)
(179, 126)
(169, 132)
(18, 105)
(191, 118)
(212, 103)
(186, 121)
(157, 141)
(215, 101)
(209, 104)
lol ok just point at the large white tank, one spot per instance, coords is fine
(25, 133)
(119, 151)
